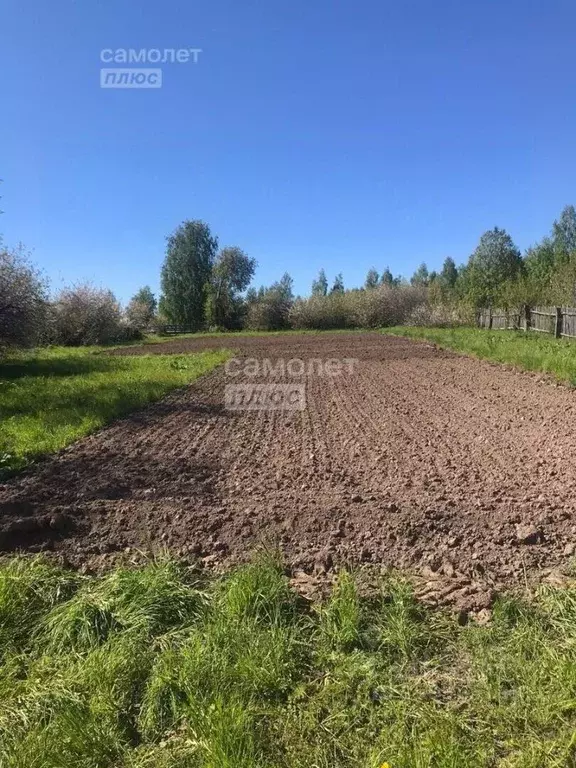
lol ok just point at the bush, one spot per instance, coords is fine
(141, 309)
(441, 315)
(264, 316)
(23, 300)
(85, 315)
(269, 314)
(269, 308)
(370, 308)
(138, 315)
(128, 332)
(321, 312)
(386, 305)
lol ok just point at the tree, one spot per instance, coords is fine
(141, 308)
(284, 288)
(371, 279)
(23, 300)
(495, 261)
(563, 284)
(338, 285)
(269, 309)
(564, 234)
(251, 296)
(421, 277)
(231, 274)
(548, 263)
(320, 285)
(190, 255)
(540, 261)
(449, 274)
(387, 278)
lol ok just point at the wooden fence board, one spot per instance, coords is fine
(557, 321)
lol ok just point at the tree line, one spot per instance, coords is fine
(204, 286)
(497, 274)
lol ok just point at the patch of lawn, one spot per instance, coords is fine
(153, 338)
(530, 351)
(51, 397)
(162, 666)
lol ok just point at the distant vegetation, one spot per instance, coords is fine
(208, 288)
(376, 307)
(161, 666)
(498, 275)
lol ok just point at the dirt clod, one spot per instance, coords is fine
(58, 521)
(528, 534)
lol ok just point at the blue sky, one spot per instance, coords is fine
(312, 133)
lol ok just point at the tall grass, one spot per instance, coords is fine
(160, 666)
(529, 351)
(51, 397)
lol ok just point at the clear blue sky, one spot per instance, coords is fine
(312, 133)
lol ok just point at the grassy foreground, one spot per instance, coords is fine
(530, 351)
(51, 397)
(157, 667)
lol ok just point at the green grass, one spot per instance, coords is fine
(161, 666)
(51, 397)
(154, 338)
(531, 352)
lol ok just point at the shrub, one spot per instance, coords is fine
(441, 315)
(385, 305)
(23, 300)
(374, 308)
(322, 312)
(140, 311)
(269, 308)
(264, 316)
(128, 332)
(84, 315)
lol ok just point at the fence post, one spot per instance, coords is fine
(558, 325)
(527, 317)
(490, 319)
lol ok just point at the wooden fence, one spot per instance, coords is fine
(170, 330)
(558, 321)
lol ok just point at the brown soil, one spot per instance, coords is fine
(455, 469)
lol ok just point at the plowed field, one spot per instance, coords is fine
(411, 457)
